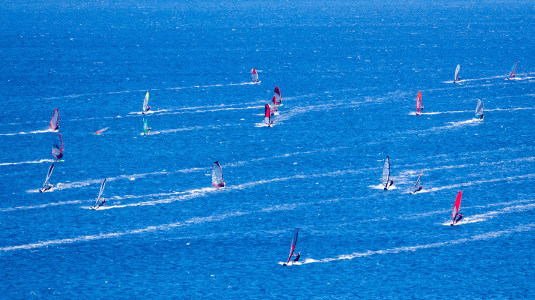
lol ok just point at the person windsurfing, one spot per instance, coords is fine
(267, 116)
(54, 123)
(217, 176)
(100, 201)
(457, 73)
(512, 73)
(277, 92)
(455, 217)
(254, 75)
(47, 185)
(275, 108)
(146, 106)
(458, 217)
(292, 249)
(480, 109)
(297, 257)
(417, 187)
(146, 128)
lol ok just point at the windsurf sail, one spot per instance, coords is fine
(101, 191)
(512, 73)
(254, 75)
(386, 173)
(294, 242)
(419, 103)
(101, 131)
(456, 206)
(57, 147)
(50, 169)
(217, 175)
(267, 118)
(479, 109)
(145, 127)
(278, 94)
(416, 185)
(457, 71)
(146, 102)
(54, 123)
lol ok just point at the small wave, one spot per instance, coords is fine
(485, 236)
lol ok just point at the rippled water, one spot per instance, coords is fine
(349, 73)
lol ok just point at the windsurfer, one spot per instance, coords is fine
(297, 256)
(46, 187)
(222, 184)
(458, 217)
(148, 108)
(419, 189)
(100, 203)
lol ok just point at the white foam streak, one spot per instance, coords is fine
(31, 132)
(29, 162)
(486, 236)
(163, 227)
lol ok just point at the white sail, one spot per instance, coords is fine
(101, 192)
(457, 71)
(385, 179)
(217, 175)
(50, 169)
(479, 108)
(146, 102)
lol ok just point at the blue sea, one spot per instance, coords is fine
(349, 73)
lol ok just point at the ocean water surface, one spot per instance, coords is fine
(349, 73)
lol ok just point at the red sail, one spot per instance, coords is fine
(54, 123)
(254, 75)
(457, 205)
(268, 113)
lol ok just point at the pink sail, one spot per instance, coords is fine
(456, 206)
(278, 93)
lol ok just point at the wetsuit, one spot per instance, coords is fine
(296, 257)
(459, 217)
